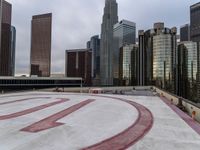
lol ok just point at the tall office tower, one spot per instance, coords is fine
(88, 44)
(145, 55)
(13, 47)
(182, 73)
(195, 36)
(78, 63)
(110, 18)
(185, 33)
(195, 22)
(157, 57)
(187, 70)
(124, 33)
(41, 45)
(5, 38)
(134, 65)
(95, 47)
(128, 65)
(198, 71)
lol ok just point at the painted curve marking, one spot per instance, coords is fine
(129, 136)
(21, 100)
(31, 110)
(121, 141)
(51, 122)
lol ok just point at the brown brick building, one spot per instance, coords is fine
(41, 45)
(79, 64)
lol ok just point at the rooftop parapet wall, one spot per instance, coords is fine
(189, 106)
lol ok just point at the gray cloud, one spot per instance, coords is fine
(75, 21)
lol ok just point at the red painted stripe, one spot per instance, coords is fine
(193, 124)
(130, 135)
(21, 100)
(50, 122)
(31, 110)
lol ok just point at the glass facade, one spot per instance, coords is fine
(185, 33)
(162, 59)
(13, 47)
(157, 57)
(41, 45)
(5, 38)
(195, 22)
(94, 45)
(128, 64)
(134, 65)
(124, 33)
(188, 52)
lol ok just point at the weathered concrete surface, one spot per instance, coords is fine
(82, 121)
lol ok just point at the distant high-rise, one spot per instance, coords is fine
(94, 45)
(195, 22)
(187, 70)
(195, 37)
(124, 33)
(157, 53)
(78, 63)
(5, 38)
(88, 44)
(185, 33)
(13, 47)
(110, 18)
(41, 45)
(128, 59)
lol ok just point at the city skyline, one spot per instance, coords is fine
(75, 22)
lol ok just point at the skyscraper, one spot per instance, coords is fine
(195, 22)
(13, 47)
(145, 57)
(187, 70)
(110, 18)
(134, 65)
(41, 45)
(195, 37)
(78, 63)
(157, 53)
(124, 33)
(5, 38)
(185, 33)
(128, 64)
(94, 45)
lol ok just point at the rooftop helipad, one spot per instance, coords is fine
(69, 121)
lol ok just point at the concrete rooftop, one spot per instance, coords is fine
(68, 121)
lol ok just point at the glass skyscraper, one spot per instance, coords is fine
(185, 33)
(187, 70)
(5, 38)
(195, 22)
(95, 47)
(124, 33)
(128, 65)
(110, 18)
(157, 57)
(41, 45)
(13, 47)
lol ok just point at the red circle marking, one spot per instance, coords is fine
(131, 135)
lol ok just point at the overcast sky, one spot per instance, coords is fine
(75, 21)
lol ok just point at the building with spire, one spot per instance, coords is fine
(110, 18)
